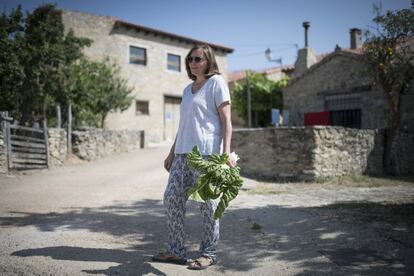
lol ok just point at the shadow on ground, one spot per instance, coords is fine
(311, 238)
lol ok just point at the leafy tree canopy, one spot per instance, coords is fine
(389, 59)
(265, 95)
(41, 65)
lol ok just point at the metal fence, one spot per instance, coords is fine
(345, 109)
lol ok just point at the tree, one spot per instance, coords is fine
(389, 58)
(96, 89)
(265, 95)
(47, 51)
(33, 52)
(11, 69)
(40, 66)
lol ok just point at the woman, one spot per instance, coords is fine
(204, 121)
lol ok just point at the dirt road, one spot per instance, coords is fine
(106, 218)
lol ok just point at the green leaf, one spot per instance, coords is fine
(216, 180)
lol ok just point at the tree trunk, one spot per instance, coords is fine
(390, 160)
(103, 116)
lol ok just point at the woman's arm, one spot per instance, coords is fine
(168, 161)
(225, 117)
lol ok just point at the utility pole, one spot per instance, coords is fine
(249, 102)
(69, 139)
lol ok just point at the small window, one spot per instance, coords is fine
(137, 55)
(141, 108)
(347, 118)
(174, 62)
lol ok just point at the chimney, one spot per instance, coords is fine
(306, 25)
(306, 56)
(355, 38)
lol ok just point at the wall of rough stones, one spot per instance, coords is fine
(342, 151)
(284, 153)
(57, 146)
(299, 153)
(3, 168)
(92, 144)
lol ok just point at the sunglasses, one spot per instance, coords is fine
(196, 59)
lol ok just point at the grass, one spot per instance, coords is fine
(370, 212)
(265, 189)
(369, 181)
(356, 181)
(256, 226)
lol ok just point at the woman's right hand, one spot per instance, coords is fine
(168, 161)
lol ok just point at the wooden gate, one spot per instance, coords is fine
(26, 147)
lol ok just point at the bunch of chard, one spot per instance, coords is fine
(217, 179)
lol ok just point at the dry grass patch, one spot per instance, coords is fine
(357, 181)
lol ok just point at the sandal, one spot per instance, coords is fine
(167, 257)
(202, 263)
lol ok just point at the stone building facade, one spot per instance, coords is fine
(157, 81)
(3, 161)
(338, 84)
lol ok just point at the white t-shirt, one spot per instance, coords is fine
(199, 118)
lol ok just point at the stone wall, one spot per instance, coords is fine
(3, 164)
(57, 146)
(92, 144)
(272, 153)
(298, 153)
(342, 151)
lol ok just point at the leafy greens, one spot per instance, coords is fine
(217, 179)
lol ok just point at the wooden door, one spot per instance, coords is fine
(171, 116)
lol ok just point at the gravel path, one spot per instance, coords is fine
(106, 218)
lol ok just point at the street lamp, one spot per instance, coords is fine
(269, 56)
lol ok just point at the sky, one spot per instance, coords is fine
(247, 26)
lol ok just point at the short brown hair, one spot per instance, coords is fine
(212, 68)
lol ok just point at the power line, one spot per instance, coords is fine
(263, 44)
(262, 52)
(250, 54)
(5, 7)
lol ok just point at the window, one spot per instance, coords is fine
(346, 118)
(141, 108)
(345, 109)
(137, 55)
(174, 62)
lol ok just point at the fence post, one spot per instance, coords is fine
(5, 124)
(7, 136)
(69, 145)
(58, 116)
(46, 136)
(3, 127)
(142, 139)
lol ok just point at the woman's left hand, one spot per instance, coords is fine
(232, 160)
(232, 163)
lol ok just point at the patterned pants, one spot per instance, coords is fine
(181, 179)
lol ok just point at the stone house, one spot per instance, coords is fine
(152, 62)
(338, 84)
